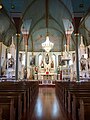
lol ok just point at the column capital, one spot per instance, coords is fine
(76, 24)
(25, 37)
(76, 34)
(18, 34)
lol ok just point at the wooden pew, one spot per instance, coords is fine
(17, 102)
(73, 105)
(15, 87)
(65, 91)
(7, 108)
(33, 87)
(0, 112)
(28, 91)
(74, 94)
(74, 87)
(62, 92)
(84, 112)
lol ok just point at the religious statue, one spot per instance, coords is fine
(36, 70)
(42, 64)
(47, 59)
(83, 63)
(58, 70)
(52, 64)
(11, 62)
(10, 67)
(25, 73)
(32, 61)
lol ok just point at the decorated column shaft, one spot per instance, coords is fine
(25, 37)
(17, 51)
(0, 56)
(68, 36)
(76, 31)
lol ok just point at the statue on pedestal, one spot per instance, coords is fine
(83, 63)
(36, 70)
(47, 59)
(52, 64)
(11, 62)
(42, 64)
(10, 67)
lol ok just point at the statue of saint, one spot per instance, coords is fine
(47, 59)
(36, 70)
(42, 64)
(52, 64)
(83, 63)
(11, 62)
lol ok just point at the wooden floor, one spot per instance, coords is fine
(47, 107)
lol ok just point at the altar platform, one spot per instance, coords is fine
(47, 83)
(47, 76)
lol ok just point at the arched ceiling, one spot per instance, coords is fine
(7, 28)
(35, 11)
(85, 29)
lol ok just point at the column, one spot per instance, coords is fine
(25, 37)
(68, 36)
(0, 56)
(17, 21)
(32, 55)
(17, 51)
(77, 23)
(77, 57)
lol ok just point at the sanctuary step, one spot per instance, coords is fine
(46, 82)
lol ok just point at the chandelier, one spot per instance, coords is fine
(47, 45)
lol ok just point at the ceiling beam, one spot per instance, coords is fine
(32, 3)
(65, 7)
(46, 13)
(57, 23)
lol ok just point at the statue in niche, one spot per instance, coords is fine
(20, 57)
(83, 63)
(89, 64)
(42, 64)
(52, 64)
(47, 59)
(11, 62)
(36, 70)
(32, 60)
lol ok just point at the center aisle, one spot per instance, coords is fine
(47, 106)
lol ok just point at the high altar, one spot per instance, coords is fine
(46, 70)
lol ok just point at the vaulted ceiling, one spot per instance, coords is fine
(39, 15)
